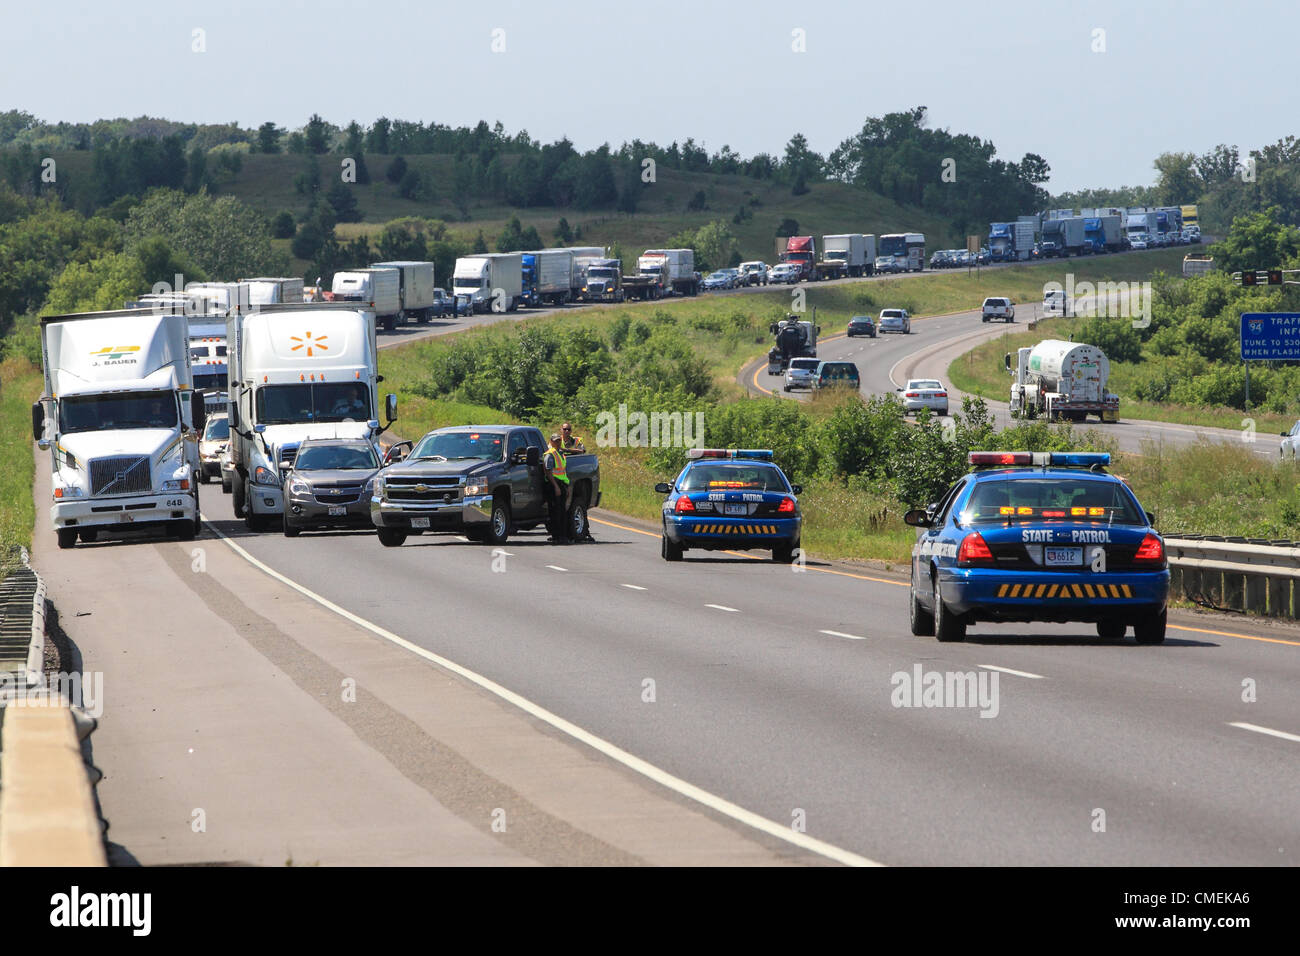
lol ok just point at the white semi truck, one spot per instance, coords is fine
(1059, 379)
(375, 290)
(415, 287)
(847, 254)
(492, 280)
(680, 264)
(296, 372)
(121, 421)
(273, 290)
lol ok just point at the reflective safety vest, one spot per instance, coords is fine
(559, 467)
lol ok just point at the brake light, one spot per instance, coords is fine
(974, 550)
(786, 506)
(911, 394)
(1151, 549)
(940, 394)
(684, 506)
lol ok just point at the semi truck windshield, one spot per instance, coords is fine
(88, 413)
(330, 402)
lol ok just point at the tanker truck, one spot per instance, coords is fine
(794, 339)
(1061, 380)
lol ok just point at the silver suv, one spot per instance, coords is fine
(802, 373)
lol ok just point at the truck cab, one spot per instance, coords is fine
(604, 281)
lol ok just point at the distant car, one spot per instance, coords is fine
(894, 320)
(754, 273)
(330, 485)
(730, 499)
(464, 303)
(921, 393)
(1043, 536)
(837, 375)
(802, 373)
(787, 273)
(984, 257)
(1290, 442)
(737, 280)
(443, 304)
(998, 307)
(227, 470)
(861, 325)
(718, 280)
(216, 436)
(1055, 303)
(1137, 241)
(888, 264)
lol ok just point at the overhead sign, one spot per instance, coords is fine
(1270, 336)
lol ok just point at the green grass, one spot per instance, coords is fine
(20, 385)
(982, 371)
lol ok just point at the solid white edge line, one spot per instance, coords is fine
(632, 762)
(1008, 670)
(851, 637)
(1267, 730)
(723, 607)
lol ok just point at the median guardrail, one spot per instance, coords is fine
(1252, 575)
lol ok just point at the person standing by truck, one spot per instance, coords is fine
(557, 478)
(572, 444)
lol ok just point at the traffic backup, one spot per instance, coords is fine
(1043, 536)
(730, 498)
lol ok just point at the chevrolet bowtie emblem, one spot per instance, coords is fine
(421, 488)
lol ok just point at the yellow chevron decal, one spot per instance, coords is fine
(1051, 592)
(1041, 589)
(1088, 588)
(1002, 591)
(1128, 592)
(1078, 591)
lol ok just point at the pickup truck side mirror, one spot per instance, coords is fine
(917, 518)
(397, 451)
(664, 488)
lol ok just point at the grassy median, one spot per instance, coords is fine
(20, 385)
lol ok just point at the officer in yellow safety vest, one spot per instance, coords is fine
(557, 475)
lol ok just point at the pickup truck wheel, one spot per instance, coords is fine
(578, 527)
(67, 537)
(499, 528)
(948, 627)
(391, 537)
(668, 550)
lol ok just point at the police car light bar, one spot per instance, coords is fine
(1076, 459)
(762, 454)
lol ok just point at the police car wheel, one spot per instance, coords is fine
(922, 621)
(391, 537)
(948, 627)
(1151, 629)
(1111, 630)
(668, 550)
(784, 553)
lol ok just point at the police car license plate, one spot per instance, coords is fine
(424, 523)
(736, 508)
(1055, 557)
(338, 510)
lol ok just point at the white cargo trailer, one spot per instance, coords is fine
(273, 290)
(376, 290)
(415, 286)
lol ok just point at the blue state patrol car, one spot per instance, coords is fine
(733, 498)
(1041, 536)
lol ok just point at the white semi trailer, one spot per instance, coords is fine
(121, 421)
(1059, 379)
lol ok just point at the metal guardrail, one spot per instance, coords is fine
(22, 623)
(1252, 575)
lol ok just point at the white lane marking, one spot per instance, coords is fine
(1008, 670)
(1267, 730)
(851, 637)
(461, 537)
(644, 767)
(634, 587)
(723, 607)
(556, 567)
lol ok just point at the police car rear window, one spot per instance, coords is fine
(1019, 500)
(733, 478)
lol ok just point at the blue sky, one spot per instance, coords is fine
(1173, 75)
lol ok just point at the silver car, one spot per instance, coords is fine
(1290, 443)
(894, 320)
(921, 393)
(216, 436)
(330, 485)
(802, 373)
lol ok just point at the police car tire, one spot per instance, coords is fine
(948, 627)
(1111, 630)
(669, 551)
(922, 621)
(784, 553)
(1151, 629)
(391, 537)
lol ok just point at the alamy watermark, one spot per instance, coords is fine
(949, 689)
(649, 430)
(83, 691)
(1113, 300)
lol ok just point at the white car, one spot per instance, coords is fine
(216, 436)
(1055, 303)
(922, 393)
(754, 273)
(894, 320)
(802, 373)
(1291, 442)
(998, 307)
(786, 272)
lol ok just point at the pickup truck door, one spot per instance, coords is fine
(525, 492)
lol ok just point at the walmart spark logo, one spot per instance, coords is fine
(309, 343)
(109, 352)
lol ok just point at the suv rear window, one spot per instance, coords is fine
(1016, 500)
(804, 363)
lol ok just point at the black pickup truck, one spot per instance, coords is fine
(482, 481)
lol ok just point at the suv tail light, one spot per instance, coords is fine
(1150, 551)
(974, 550)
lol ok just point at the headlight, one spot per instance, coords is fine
(299, 487)
(176, 484)
(265, 476)
(377, 486)
(476, 489)
(72, 491)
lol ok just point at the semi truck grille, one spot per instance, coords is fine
(288, 455)
(120, 476)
